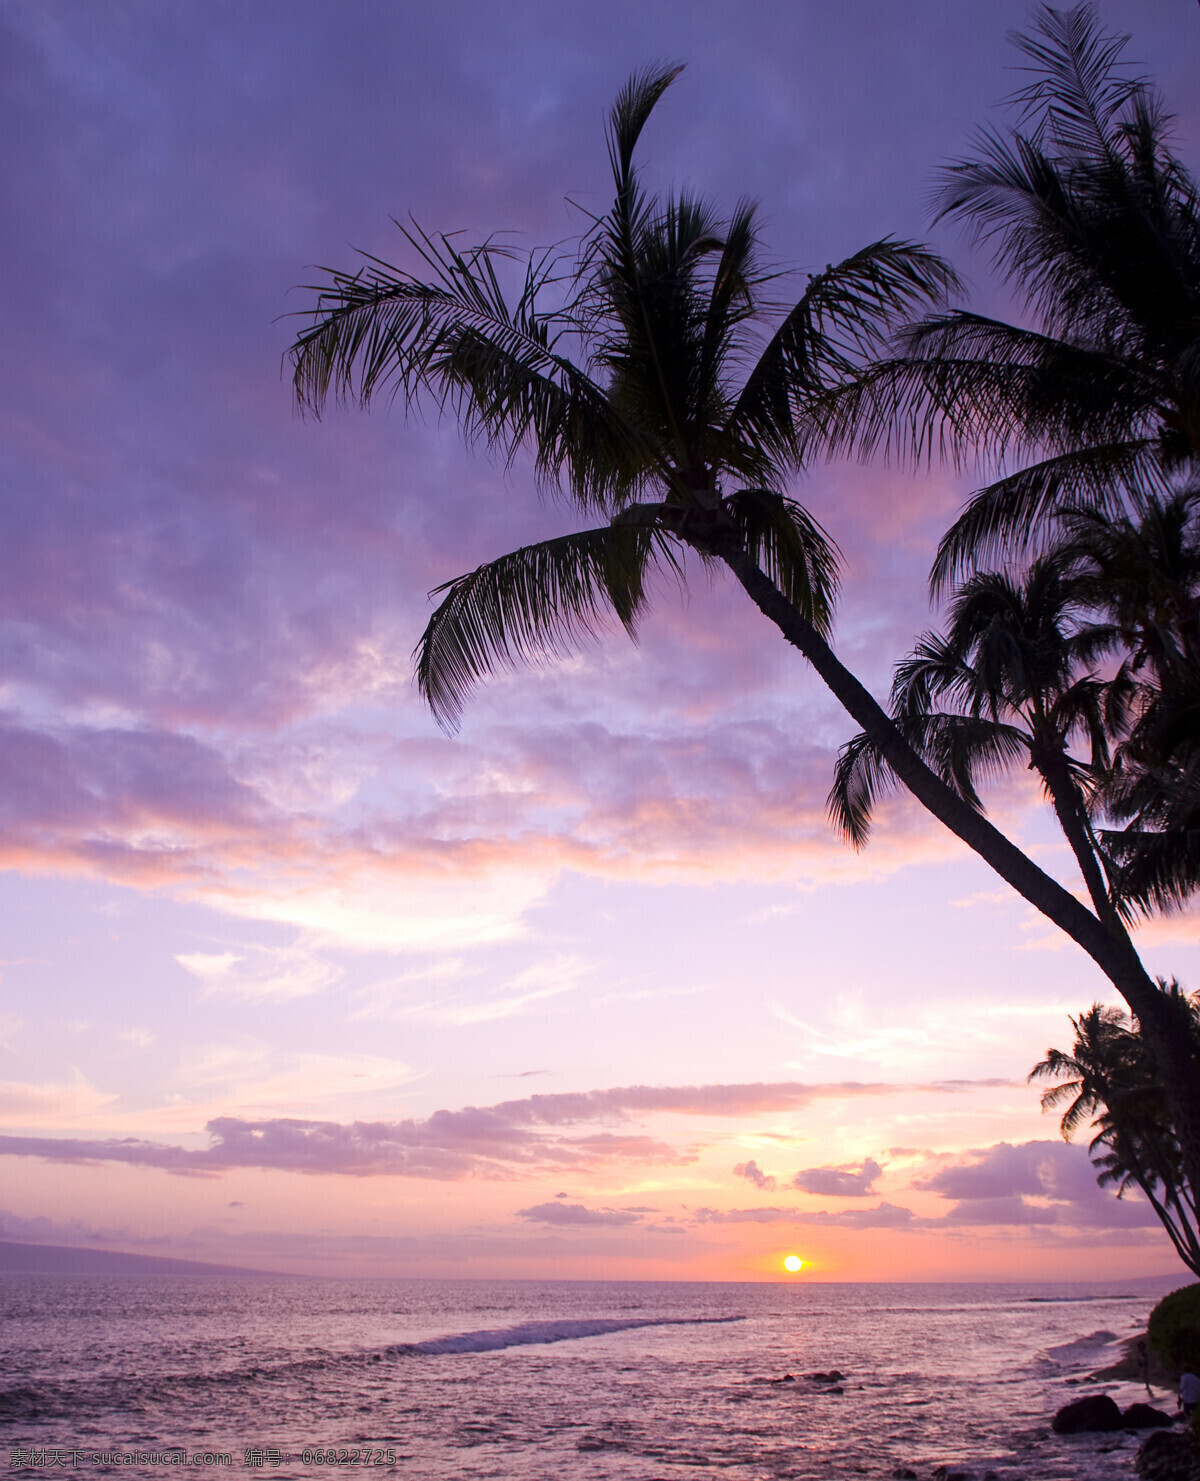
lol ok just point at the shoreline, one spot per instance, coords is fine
(1127, 1368)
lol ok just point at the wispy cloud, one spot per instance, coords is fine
(261, 974)
(439, 994)
(71, 1102)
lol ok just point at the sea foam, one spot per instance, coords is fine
(525, 1333)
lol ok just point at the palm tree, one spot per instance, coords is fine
(1109, 1078)
(1143, 576)
(1096, 223)
(1010, 682)
(656, 389)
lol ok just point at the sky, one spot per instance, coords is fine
(293, 980)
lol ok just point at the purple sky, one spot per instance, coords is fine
(291, 978)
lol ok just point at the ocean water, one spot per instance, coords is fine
(524, 1380)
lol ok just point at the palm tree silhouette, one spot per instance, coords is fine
(1096, 223)
(640, 370)
(640, 380)
(1143, 576)
(1011, 681)
(1109, 1079)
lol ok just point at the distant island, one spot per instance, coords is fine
(58, 1259)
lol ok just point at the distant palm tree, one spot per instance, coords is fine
(1010, 682)
(1110, 1079)
(658, 388)
(1143, 576)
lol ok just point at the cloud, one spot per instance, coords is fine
(883, 1216)
(1034, 1183)
(427, 995)
(322, 1251)
(52, 1103)
(261, 974)
(576, 1214)
(136, 805)
(750, 1171)
(41, 1230)
(512, 1138)
(149, 806)
(1047, 1186)
(449, 1145)
(847, 1181)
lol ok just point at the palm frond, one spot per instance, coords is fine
(495, 366)
(634, 104)
(842, 319)
(1078, 94)
(541, 601)
(862, 778)
(1018, 514)
(788, 544)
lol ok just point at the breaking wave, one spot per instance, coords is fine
(1083, 1348)
(526, 1333)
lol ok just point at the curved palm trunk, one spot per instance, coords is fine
(1174, 1221)
(1072, 820)
(1113, 954)
(1174, 1213)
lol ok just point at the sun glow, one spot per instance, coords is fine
(792, 1263)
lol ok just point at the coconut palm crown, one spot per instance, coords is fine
(1011, 681)
(1095, 222)
(655, 382)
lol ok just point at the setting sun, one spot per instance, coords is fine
(792, 1263)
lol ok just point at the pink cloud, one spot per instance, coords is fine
(1032, 1183)
(512, 1139)
(846, 1181)
(753, 1174)
(576, 1215)
(882, 1216)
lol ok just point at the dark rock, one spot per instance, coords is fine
(1168, 1456)
(1096, 1412)
(902, 1473)
(833, 1376)
(1145, 1417)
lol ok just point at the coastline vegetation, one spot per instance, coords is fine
(662, 390)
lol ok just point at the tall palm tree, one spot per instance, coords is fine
(658, 390)
(1109, 1079)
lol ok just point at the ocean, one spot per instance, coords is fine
(518, 1380)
